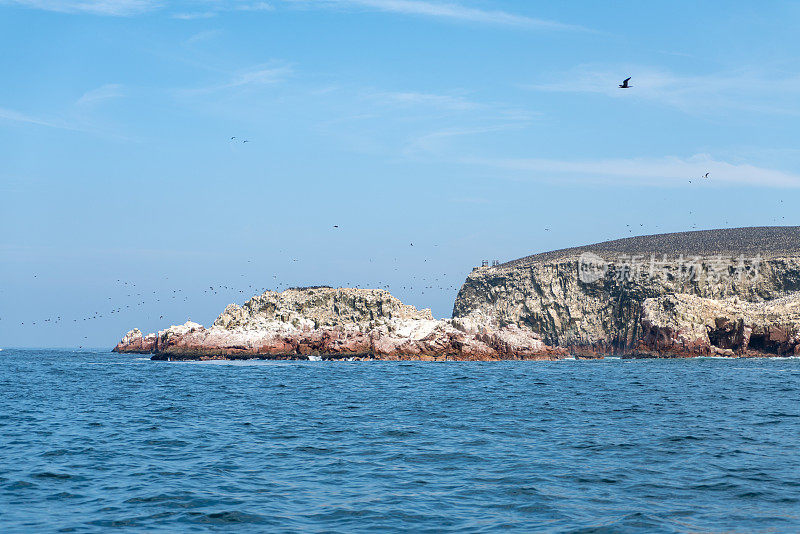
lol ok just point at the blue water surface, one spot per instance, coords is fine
(92, 441)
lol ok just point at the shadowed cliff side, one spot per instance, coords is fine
(592, 298)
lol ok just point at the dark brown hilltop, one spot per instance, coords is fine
(765, 240)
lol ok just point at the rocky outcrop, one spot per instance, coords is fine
(601, 298)
(687, 325)
(134, 341)
(330, 323)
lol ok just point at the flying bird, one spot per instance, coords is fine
(706, 175)
(625, 84)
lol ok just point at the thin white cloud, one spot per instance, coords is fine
(16, 116)
(646, 171)
(122, 8)
(255, 6)
(102, 93)
(445, 10)
(212, 10)
(73, 123)
(119, 8)
(202, 36)
(747, 89)
(439, 141)
(413, 123)
(195, 15)
(259, 76)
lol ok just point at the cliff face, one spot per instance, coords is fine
(593, 298)
(334, 324)
(687, 325)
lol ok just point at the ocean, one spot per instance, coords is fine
(92, 441)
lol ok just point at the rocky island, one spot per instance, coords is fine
(712, 292)
(343, 323)
(733, 292)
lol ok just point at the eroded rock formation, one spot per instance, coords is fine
(603, 298)
(687, 325)
(335, 324)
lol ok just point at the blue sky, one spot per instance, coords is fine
(472, 129)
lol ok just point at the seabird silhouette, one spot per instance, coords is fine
(625, 84)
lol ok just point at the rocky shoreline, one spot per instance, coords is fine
(671, 295)
(336, 324)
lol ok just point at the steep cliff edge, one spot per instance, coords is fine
(596, 298)
(339, 323)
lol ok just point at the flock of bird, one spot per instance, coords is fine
(132, 297)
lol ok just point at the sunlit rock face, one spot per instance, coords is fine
(687, 325)
(339, 323)
(603, 298)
